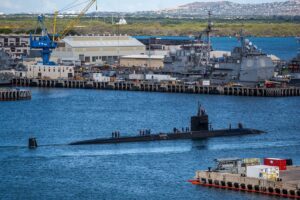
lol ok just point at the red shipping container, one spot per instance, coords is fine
(281, 163)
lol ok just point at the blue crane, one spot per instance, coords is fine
(43, 42)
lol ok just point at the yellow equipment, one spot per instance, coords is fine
(54, 25)
(71, 25)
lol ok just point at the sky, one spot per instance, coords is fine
(42, 6)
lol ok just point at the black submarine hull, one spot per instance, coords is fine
(195, 135)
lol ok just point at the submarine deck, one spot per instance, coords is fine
(170, 136)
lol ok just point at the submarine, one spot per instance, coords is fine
(200, 128)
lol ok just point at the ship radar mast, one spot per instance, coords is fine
(243, 42)
(204, 37)
(208, 31)
(201, 110)
(298, 40)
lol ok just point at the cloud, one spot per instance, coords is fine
(7, 5)
(49, 5)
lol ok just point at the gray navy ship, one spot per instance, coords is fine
(5, 68)
(246, 64)
(294, 68)
(193, 58)
(8, 68)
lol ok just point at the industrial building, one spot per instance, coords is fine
(16, 46)
(97, 49)
(49, 71)
(152, 61)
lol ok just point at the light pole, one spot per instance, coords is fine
(149, 53)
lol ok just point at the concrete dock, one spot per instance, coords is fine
(14, 95)
(161, 87)
(288, 186)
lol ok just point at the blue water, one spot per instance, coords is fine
(157, 170)
(284, 48)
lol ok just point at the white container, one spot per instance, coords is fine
(160, 77)
(262, 172)
(98, 77)
(136, 76)
(206, 82)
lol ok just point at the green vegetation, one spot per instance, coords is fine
(159, 26)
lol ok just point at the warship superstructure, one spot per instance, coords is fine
(6, 64)
(9, 67)
(246, 64)
(193, 57)
(294, 69)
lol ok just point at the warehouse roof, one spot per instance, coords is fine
(174, 38)
(102, 41)
(143, 56)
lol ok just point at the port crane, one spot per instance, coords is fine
(47, 43)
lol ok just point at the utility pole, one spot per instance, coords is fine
(149, 52)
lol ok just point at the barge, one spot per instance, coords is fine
(260, 179)
(200, 129)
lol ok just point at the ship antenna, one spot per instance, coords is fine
(199, 108)
(209, 29)
(242, 38)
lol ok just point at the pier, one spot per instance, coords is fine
(161, 87)
(14, 95)
(287, 186)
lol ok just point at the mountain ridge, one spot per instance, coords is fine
(228, 8)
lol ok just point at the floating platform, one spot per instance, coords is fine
(288, 186)
(14, 94)
(161, 87)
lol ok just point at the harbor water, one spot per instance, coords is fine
(155, 170)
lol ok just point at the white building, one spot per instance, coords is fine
(49, 71)
(152, 61)
(122, 21)
(97, 49)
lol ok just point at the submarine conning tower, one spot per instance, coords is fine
(200, 121)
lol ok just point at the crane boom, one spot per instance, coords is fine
(76, 20)
(54, 24)
(45, 42)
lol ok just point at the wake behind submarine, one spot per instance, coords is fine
(200, 128)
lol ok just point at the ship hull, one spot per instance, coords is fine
(5, 83)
